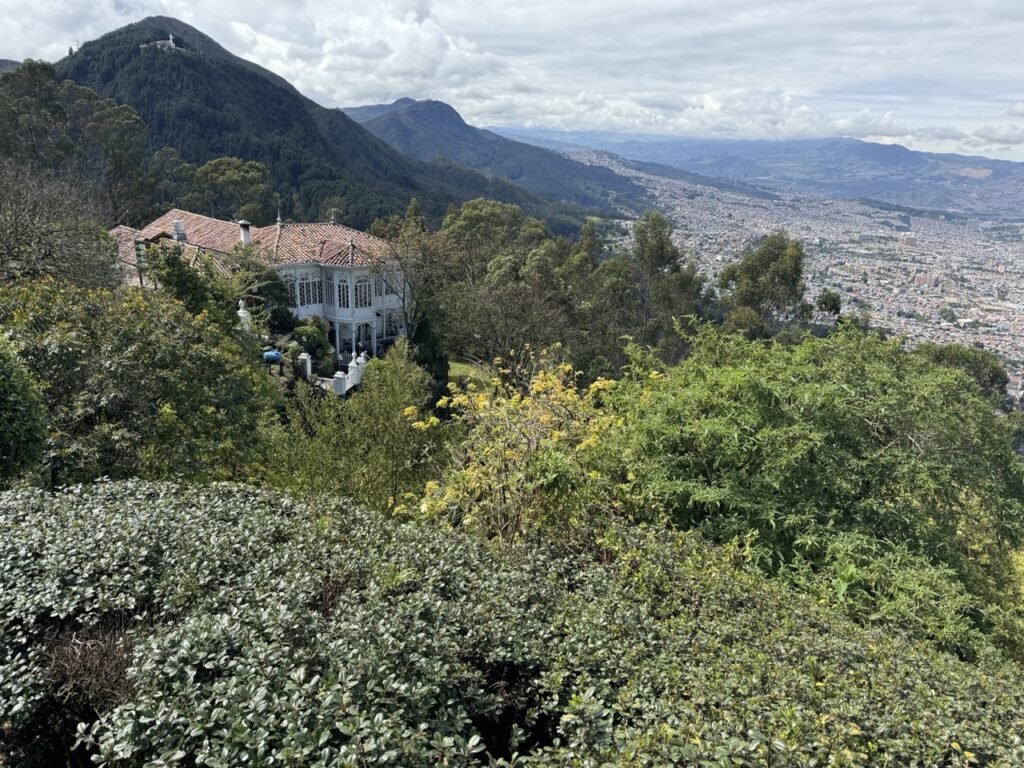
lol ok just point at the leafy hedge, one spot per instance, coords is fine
(23, 426)
(885, 483)
(225, 625)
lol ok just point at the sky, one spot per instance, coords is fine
(939, 75)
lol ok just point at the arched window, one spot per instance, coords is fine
(391, 324)
(289, 283)
(363, 298)
(343, 293)
(329, 290)
(310, 291)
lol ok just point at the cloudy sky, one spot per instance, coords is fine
(930, 74)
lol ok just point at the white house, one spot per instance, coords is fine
(345, 276)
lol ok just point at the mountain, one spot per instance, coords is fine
(429, 130)
(204, 102)
(834, 167)
(370, 111)
(6, 65)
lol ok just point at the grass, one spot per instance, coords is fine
(468, 373)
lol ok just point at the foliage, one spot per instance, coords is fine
(378, 446)
(50, 226)
(499, 300)
(524, 464)
(829, 302)
(230, 188)
(214, 285)
(809, 448)
(23, 427)
(238, 626)
(768, 279)
(984, 367)
(312, 336)
(134, 384)
(94, 144)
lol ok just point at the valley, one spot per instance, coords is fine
(924, 275)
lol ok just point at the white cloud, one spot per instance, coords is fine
(930, 73)
(1001, 134)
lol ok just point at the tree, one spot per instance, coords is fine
(50, 226)
(378, 446)
(212, 285)
(768, 279)
(829, 302)
(984, 367)
(231, 188)
(134, 384)
(67, 130)
(495, 307)
(22, 429)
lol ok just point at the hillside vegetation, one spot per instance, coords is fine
(428, 130)
(202, 102)
(225, 625)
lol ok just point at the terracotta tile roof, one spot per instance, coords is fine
(125, 238)
(278, 244)
(201, 231)
(320, 244)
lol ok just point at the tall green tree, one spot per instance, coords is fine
(767, 280)
(231, 188)
(135, 385)
(68, 130)
(497, 304)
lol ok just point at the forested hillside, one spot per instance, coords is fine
(203, 103)
(427, 130)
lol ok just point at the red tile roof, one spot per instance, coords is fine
(320, 244)
(125, 238)
(201, 231)
(331, 244)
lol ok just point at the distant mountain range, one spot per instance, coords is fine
(6, 65)
(429, 130)
(204, 102)
(839, 167)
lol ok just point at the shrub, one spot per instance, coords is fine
(133, 384)
(22, 428)
(259, 630)
(803, 448)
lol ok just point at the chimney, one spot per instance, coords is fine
(178, 227)
(243, 232)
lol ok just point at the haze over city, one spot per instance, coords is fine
(933, 76)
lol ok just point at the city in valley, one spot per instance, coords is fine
(926, 276)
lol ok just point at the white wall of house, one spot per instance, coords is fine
(362, 305)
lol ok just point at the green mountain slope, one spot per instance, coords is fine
(204, 102)
(427, 130)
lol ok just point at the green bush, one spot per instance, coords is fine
(222, 625)
(282, 320)
(133, 384)
(832, 454)
(23, 426)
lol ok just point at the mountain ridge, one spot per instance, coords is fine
(428, 130)
(204, 102)
(840, 167)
